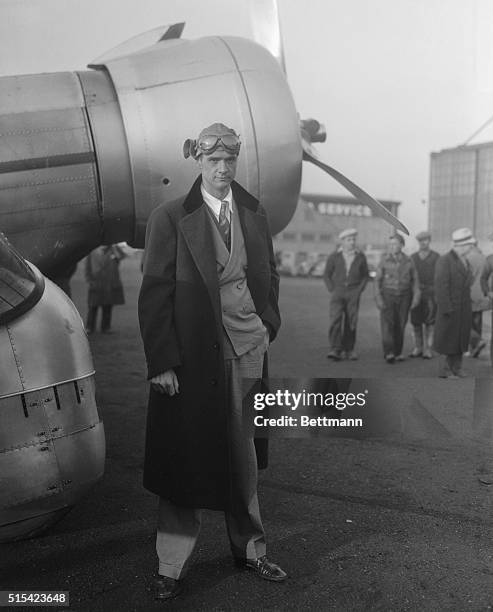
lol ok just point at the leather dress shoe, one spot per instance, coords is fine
(334, 355)
(263, 568)
(390, 358)
(167, 588)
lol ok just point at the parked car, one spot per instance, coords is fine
(318, 268)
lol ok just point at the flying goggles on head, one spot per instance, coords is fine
(209, 143)
(214, 137)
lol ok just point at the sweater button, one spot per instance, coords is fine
(215, 345)
(214, 382)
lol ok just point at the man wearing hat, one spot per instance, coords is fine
(346, 276)
(423, 316)
(208, 307)
(396, 290)
(453, 279)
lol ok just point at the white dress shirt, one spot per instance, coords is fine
(348, 259)
(215, 204)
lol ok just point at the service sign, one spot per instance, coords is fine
(340, 209)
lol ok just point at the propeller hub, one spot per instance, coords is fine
(312, 130)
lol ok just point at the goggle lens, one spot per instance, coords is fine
(229, 141)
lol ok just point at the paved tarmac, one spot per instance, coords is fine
(395, 522)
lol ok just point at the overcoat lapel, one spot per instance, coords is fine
(254, 228)
(197, 233)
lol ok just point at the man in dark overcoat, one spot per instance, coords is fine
(105, 287)
(453, 279)
(208, 308)
(345, 276)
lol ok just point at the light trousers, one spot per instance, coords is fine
(178, 527)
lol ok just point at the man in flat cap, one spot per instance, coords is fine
(345, 276)
(396, 290)
(208, 308)
(453, 279)
(423, 316)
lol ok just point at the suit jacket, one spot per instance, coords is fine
(188, 445)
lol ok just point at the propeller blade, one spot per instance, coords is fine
(141, 41)
(266, 26)
(174, 31)
(375, 206)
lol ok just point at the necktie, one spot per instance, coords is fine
(224, 224)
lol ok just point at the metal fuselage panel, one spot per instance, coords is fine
(45, 346)
(48, 184)
(52, 444)
(113, 163)
(52, 451)
(170, 91)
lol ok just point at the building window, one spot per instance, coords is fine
(308, 237)
(289, 236)
(325, 237)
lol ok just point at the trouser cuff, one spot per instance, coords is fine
(171, 571)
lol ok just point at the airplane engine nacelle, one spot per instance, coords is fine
(171, 90)
(85, 157)
(52, 444)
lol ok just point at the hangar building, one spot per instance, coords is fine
(461, 193)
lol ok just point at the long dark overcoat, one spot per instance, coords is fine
(103, 277)
(188, 446)
(453, 295)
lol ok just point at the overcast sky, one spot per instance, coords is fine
(392, 80)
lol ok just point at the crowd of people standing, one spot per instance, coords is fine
(443, 295)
